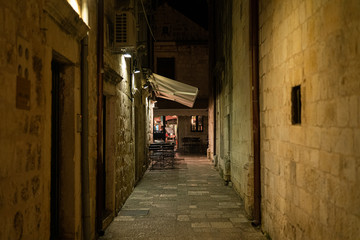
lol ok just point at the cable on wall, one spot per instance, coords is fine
(147, 21)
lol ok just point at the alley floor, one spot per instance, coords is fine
(188, 202)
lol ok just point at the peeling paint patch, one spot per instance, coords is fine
(18, 225)
(35, 184)
(35, 125)
(37, 67)
(38, 153)
(25, 193)
(9, 54)
(30, 159)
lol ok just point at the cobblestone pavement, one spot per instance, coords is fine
(189, 202)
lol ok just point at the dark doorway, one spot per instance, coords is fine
(106, 177)
(166, 67)
(63, 190)
(55, 151)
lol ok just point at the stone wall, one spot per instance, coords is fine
(128, 128)
(224, 79)
(141, 125)
(92, 115)
(23, 186)
(191, 63)
(241, 116)
(234, 121)
(37, 34)
(27, 51)
(310, 171)
(125, 163)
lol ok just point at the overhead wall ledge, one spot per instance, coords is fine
(111, 76)
(180, 112)
(67, 18)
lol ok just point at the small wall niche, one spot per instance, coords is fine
(296, 105)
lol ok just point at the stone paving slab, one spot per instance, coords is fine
(188, 202)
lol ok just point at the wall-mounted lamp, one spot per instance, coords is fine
(127, 55)
(136, 69)
(146, 85)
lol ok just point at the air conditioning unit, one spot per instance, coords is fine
(125, 30)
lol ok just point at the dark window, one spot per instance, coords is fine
(166, 67)
(165, 30)
(197, 124)
(296, 105)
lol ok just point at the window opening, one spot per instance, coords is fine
(197, 123)
(296, 105)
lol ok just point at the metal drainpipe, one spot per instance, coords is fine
(84, 140)
(99, 162)
(254, 45)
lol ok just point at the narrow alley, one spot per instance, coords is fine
(98, 96)
(188, 202)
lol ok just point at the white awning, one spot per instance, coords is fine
(173, 90)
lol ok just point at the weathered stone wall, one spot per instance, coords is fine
(125, 163)
(28, 46)
(24, 173)
(241, 155)
(211, 127)
(310, 171)
(141, 128)
(315, 45)
(92, 112)
(234, 120)
(192, 67)
(224, 79)
(191, 63)
(129, 128)
(35, 34)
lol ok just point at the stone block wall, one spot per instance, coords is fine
(128, 131)
(24, 172)
(310, 171)
(32, 38)
(124, 138)
(223, 71)
(25, 127)
(241, 156)
(92, 114)
(234, 117)
(192, 67)
(191, 63)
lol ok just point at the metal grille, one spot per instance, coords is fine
(121, 28)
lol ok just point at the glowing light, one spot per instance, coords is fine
(127, 55)
(133, 83)
(85, 12)
(75, 5)
(123, 68)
